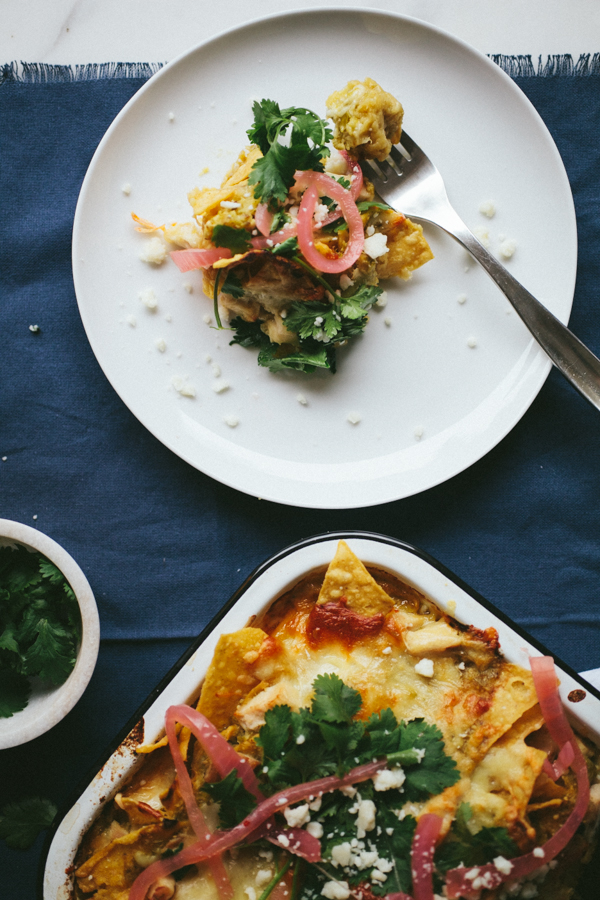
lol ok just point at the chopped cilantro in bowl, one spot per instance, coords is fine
(49, 633)
(40, 626)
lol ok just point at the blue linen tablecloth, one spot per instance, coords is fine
(164, 546)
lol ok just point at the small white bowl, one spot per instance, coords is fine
(48, 705)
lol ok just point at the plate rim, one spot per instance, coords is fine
(284, 488)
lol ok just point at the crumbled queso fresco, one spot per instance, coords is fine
(487, 208)
(154, 251)
(376, 245)
(507, 248)
(425, 667)
(148, 298)
(183, 387)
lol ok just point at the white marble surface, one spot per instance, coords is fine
(82, 31)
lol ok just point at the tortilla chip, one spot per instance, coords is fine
(204, 200)
(348, 578)
(502, 783)
(229, 678)
(241, 168)
(514, 695)
(230, 260)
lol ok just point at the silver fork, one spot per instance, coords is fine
(409, 182)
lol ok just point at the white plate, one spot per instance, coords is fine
(414, 377)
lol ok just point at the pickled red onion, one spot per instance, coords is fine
(564, 759)
(186, 260)
(546, 686)
(218, 842)
(219, 751)
(357, 173)
(320, 183)
(223, 757)
(264, 219)
(263, 242)
(296, 840)
(421, 855)
(356, 183)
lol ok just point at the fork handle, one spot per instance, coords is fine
(567, 352)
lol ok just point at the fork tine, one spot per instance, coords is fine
(408, 143)
(398, 156)
(371, 169)
(387, 169)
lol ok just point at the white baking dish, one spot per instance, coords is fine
(258, 591)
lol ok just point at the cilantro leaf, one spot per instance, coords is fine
(52, 655)
(236, 239)
(472, 848)
(366, 205)
(304, 359)
(333, 700)
(436, 771)
(287, 248)
(391, 838)
(235, 801)
(308, 125)
(274, 356)
(292, 750)
(232, 285)
(280, 219)
(304, 136)
(20, 569)
(341, 320)
(275, 733)
(383, 733)
(48, 570)
(313, 318)
(273, 174)
(396, 842)
(8, 639)
(248, 334)
(21, 822)
(355, 306)
(14, 692)
(267, 120)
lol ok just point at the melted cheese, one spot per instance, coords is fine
(485, 708)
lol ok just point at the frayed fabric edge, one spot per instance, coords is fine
(521, 66)
(46, 73)
(555, 66)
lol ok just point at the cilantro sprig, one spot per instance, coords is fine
(289, 139)
(40, 626)
(320, 325)
(329, 737)
(235, 801)
(21, 821)
(236, 239)
(465, 846)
